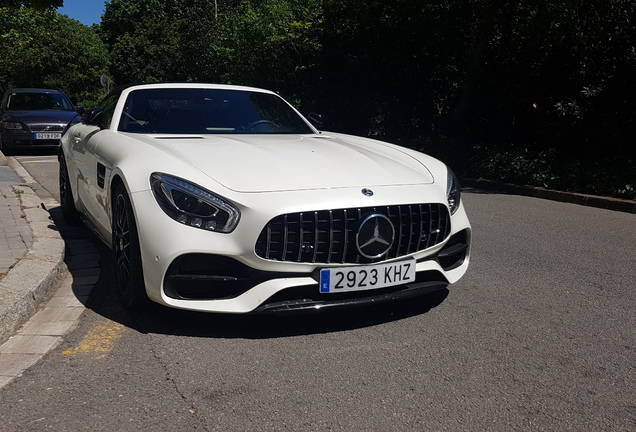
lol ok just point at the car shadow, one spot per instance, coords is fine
(164, 320)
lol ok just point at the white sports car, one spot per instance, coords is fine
(225, 199)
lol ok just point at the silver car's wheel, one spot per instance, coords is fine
(126, 252)
(5, 151)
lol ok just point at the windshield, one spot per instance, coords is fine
(39, 101)
(209, 111)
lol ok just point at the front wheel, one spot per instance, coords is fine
(127, 267)
(4, 149)
(69, 211)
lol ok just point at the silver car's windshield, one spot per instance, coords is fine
(38, 102)
(209, 111)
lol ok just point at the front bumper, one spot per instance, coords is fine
(192, 269)
(23, 140)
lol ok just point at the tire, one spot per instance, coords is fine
(69, 211)
(4, 149)
(127, 267)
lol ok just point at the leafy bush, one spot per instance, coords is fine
(604, 175)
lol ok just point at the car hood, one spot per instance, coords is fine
(44, 116)
(258, 163)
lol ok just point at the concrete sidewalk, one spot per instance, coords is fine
(40, 300)
(16, 236)
(32, 257)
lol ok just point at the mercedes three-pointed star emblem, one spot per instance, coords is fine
(375, 236)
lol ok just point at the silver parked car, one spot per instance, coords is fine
(35, 118)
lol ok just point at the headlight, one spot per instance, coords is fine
(192, 205)
(12, 125)
(452, 192)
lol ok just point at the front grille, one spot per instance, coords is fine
(328, 236)
(46, 128)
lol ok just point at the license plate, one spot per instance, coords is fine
(47, 136)
(365, 277)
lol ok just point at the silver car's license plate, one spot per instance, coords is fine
(364, 277)
(47, 136)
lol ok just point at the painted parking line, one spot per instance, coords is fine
(99, 341)
(36, 159)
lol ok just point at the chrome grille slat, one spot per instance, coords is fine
(399, 229)
(328, 236)
(345, 230)
(46, 128)
(331, 237)
(316, 236)
(301, 240)
(268, 246)
(430, 224)
(285, 237)
(420, 232)
(410, 227)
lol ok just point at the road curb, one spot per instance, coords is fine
(616, 204)
(30, 280)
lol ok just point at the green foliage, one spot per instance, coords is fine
(42, 48)
(269, 43)
(142, 37)
(536, 92)
(606, 175)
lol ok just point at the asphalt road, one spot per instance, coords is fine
(539, 335)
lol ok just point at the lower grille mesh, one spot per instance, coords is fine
(328, 236)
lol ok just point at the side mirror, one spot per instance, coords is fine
(81, 109)
(94, 117)
(316, 120)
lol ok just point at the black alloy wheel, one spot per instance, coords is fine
(69, 211)
(126, 252)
